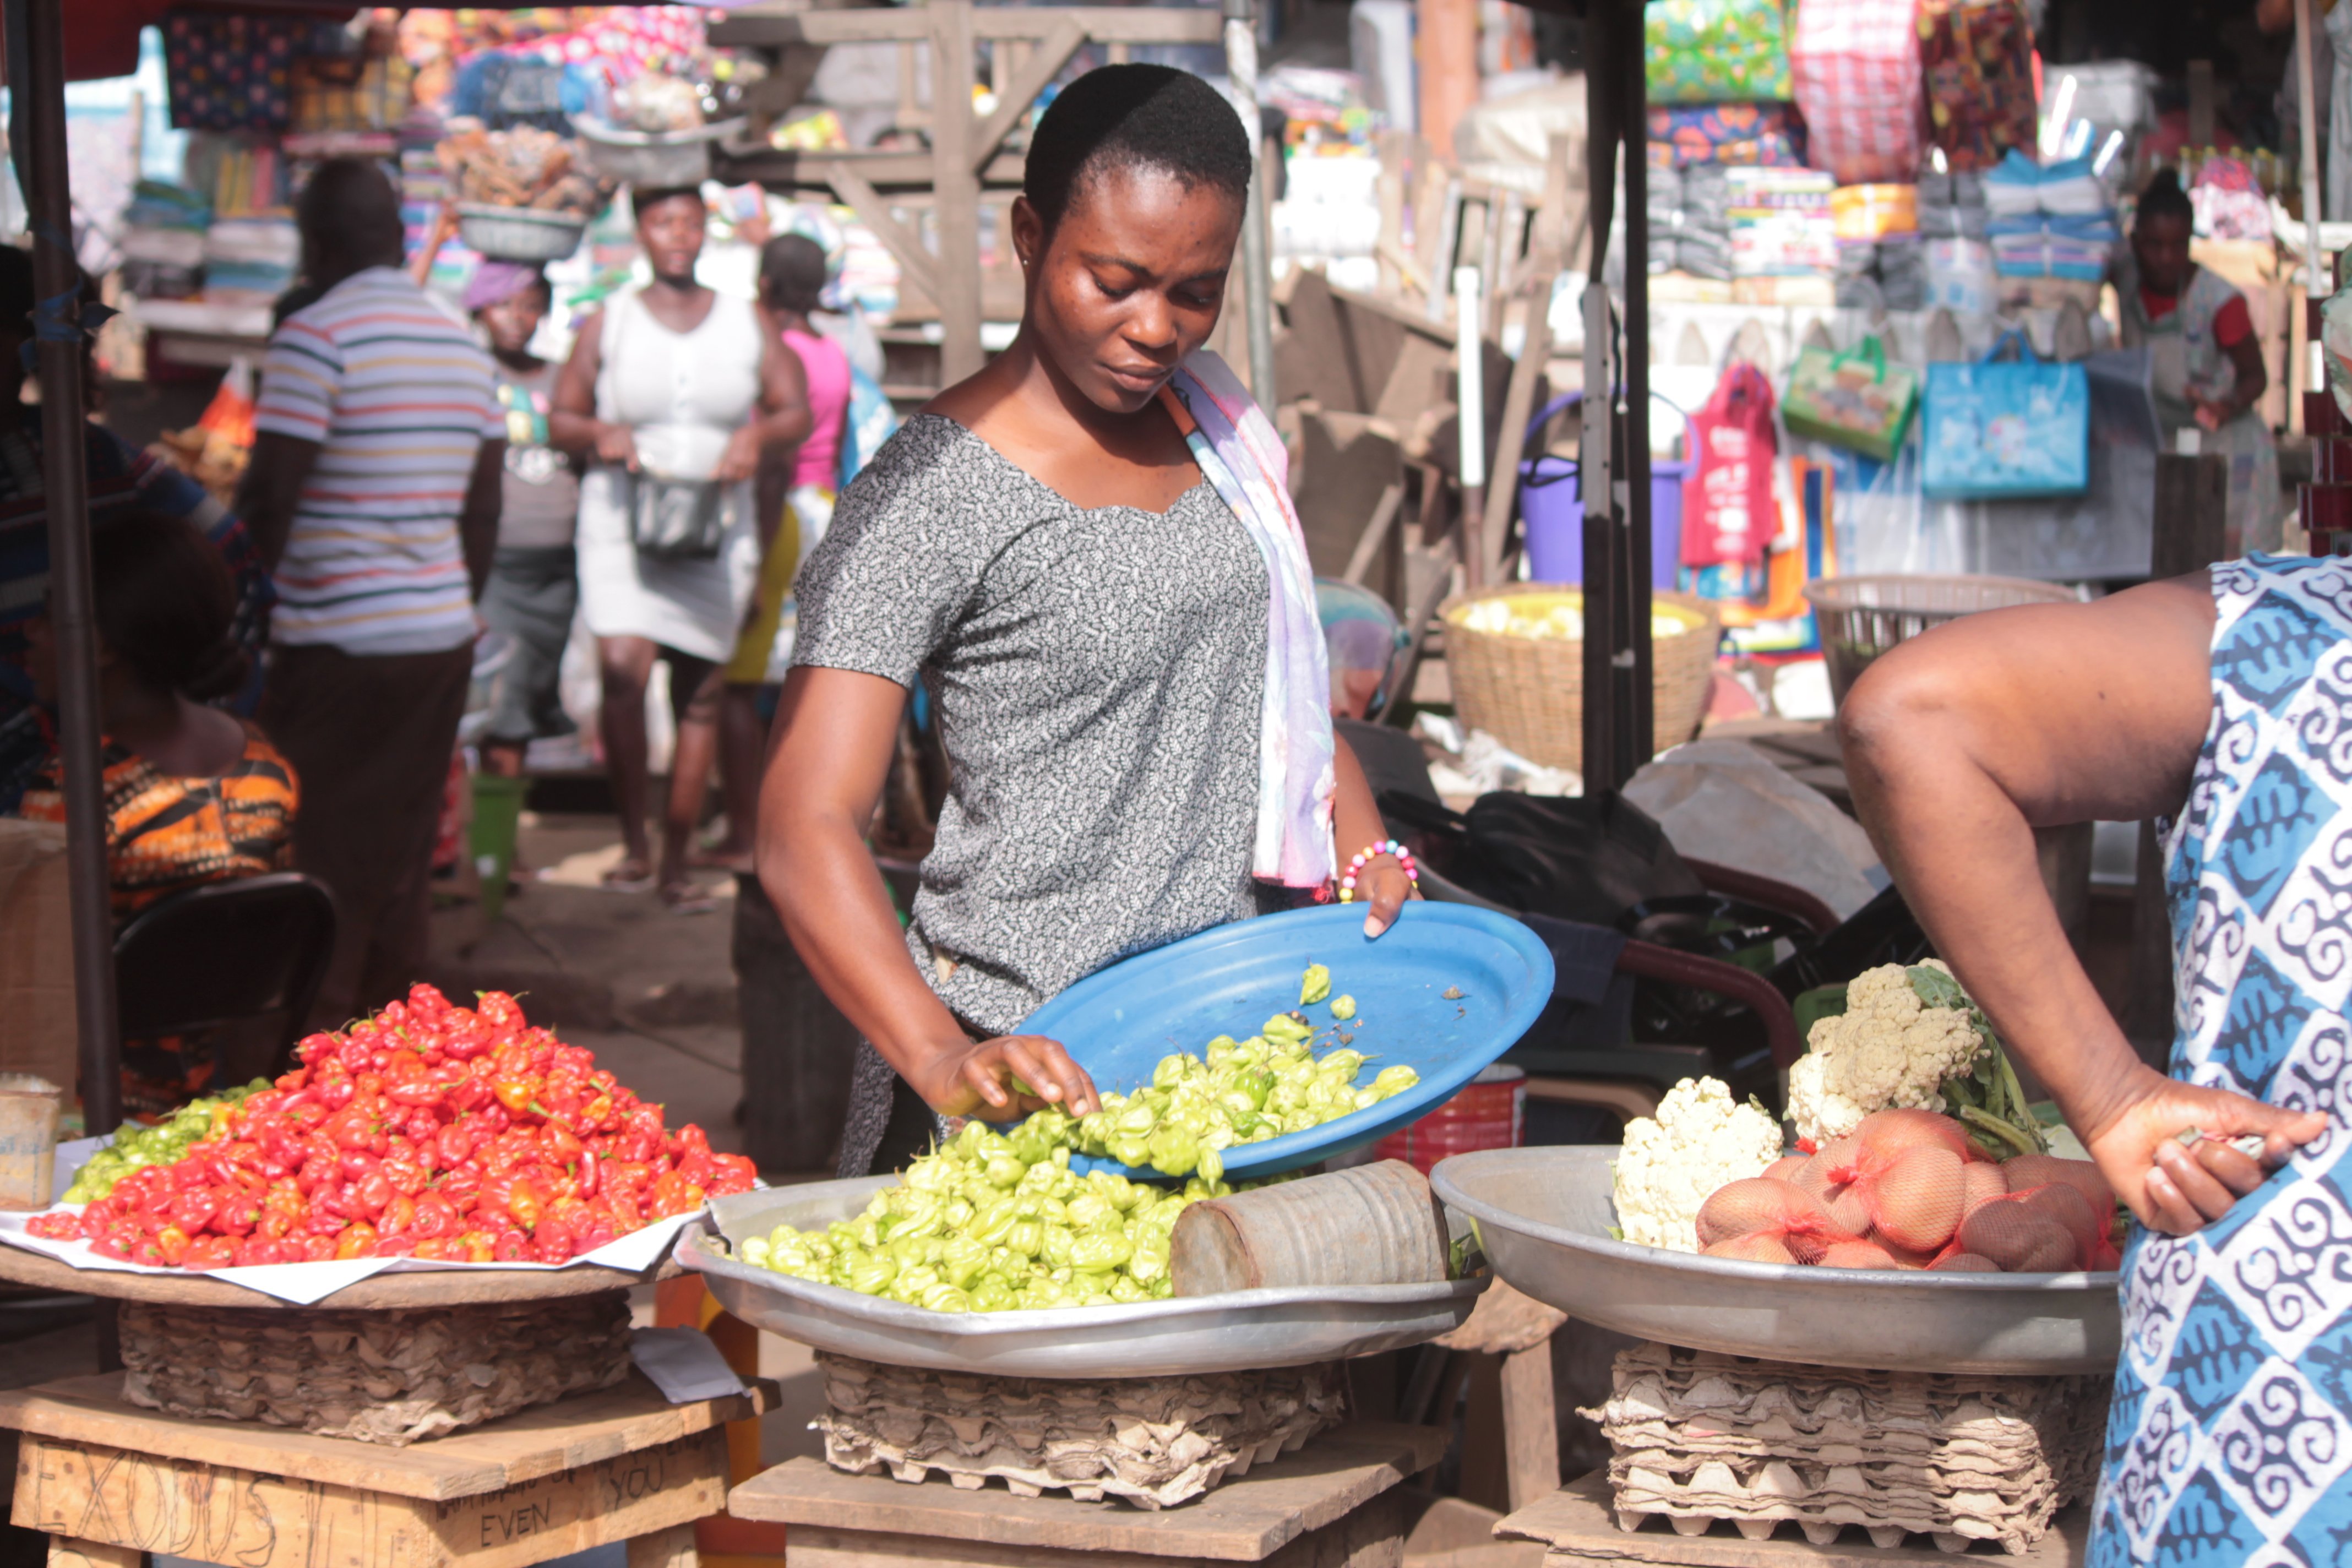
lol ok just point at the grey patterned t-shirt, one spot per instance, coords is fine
(1097, 675)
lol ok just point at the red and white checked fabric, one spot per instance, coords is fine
(1854, 65)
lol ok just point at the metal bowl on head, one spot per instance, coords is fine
(1235, 1332)
(1542, 1217)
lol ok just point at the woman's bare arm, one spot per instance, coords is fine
(836, 731)
(1963, 740)
(572, 423)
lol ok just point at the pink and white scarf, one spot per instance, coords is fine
(1242, 457)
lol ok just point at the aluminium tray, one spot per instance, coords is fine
(1542, 1218)
(1231, 1333)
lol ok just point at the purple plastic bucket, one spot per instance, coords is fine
(1551, 505)
(1553, 509)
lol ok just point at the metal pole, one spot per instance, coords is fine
(1635, 729)
(2316, 285)
(1470, 422)
(57, 282)
(1597, 452)
(1257, 267)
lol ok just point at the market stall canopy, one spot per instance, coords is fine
(102, 35)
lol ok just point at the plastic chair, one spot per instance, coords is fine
(223, 953)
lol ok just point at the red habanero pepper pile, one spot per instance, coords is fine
(428, 1131)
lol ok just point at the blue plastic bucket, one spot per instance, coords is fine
(1552, 504)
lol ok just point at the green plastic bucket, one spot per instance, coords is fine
(498, 815)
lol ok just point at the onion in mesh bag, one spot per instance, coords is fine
(2038, 1170)
(1786, 1167)
(1762, 1205)
(1758, 1246)
(1965, 1263)
(2028, 1232)
(1900, 1173)
(1857, 1255)
(1984, 1183)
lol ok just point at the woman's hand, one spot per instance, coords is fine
(615, 445)
(2176, 1188)
(740, 460)
(976, 1078)
(1382, 883)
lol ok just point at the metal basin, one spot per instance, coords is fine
(1230, 1332)
(1542, 1217)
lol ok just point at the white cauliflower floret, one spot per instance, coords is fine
(1701, 1139)
(1886, 1051)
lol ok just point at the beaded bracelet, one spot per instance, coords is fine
(1385, 847)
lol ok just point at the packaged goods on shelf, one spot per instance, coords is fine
(251, 256)
(1781, 223)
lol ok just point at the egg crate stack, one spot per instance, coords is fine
(1154, 1441)
(389, 1377)
(1698, 1437)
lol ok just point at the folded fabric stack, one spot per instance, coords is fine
(255, 257)
(163, 241)
(1690, 221)
(2049, 222)
(1764, 134)
(1154, 1441)
(1781, 225)
(1696, 1435)
(1952, 206)
(1879, 258)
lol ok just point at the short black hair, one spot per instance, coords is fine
(165, 604)
(793, 272)
(2163, 197)
(644, 196)
(1135, 117)
(350, 211)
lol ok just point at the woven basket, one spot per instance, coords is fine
(1528, 692)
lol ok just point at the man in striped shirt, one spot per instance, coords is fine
(373, 497)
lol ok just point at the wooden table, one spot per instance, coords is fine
(1326, 1506)
(106, 1482)
(1577, 1527)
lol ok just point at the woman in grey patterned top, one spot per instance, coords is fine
(1039, 547)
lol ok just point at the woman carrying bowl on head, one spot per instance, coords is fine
(672, 392)
(1087, 554)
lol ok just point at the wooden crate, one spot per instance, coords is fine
(106, 1482)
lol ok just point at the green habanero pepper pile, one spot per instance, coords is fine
(991, 1222)
(995, 1221)
(162, 1144)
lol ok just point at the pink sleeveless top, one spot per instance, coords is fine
(827, 367)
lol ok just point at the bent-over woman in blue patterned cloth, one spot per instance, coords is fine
(1087, 554)
(2220, 704)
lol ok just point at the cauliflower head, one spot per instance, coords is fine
(1888, 1050)
(1700, 1139)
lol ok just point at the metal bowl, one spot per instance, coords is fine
(1542, 1217)
(520, 233)
(653, 157)
(1231, 1333)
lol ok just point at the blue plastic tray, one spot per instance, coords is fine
(1119, 1022)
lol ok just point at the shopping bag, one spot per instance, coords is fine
(1716, 51)
(1727, 509)
(2003, 428)
(1977, 61)
(1851, 399)
(1854, 68)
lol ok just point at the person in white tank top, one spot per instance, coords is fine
(673, 394)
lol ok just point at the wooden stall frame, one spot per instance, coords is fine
(966, 161)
